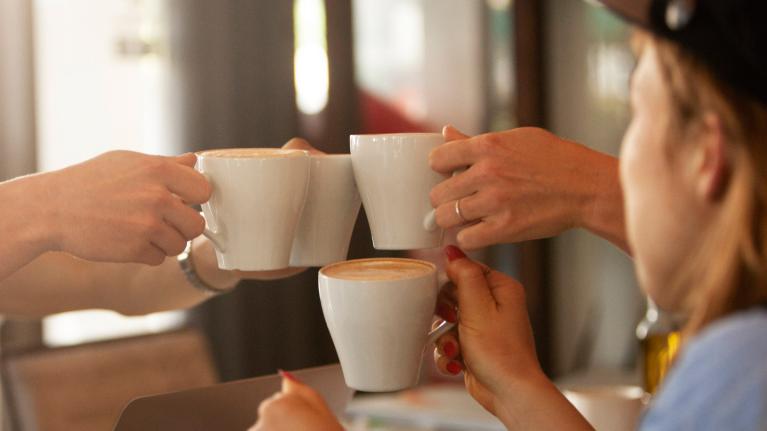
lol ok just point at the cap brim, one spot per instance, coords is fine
(636, 11)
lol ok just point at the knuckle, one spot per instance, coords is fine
(489, 143)
(152, 227)
(505, 219)
(160, 199)
(156, 167)
(483, 172)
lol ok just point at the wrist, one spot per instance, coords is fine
(518, 394)
(31, 219)
(535, 402)
(602, 212)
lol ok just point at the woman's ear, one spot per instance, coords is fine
(711, 168)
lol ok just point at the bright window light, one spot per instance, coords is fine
(310, 59)
(95, 99)
(67, 329)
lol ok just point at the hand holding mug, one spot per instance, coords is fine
(524, 184)
(124, 207)
(493, 343)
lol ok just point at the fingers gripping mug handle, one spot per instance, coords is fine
(430, 221)
(445, 326)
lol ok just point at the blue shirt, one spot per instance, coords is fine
(720, 380)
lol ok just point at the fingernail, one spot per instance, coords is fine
(449, 348)
(451, 316)
(288, 376)
(452, 252)
(453, 367)
(446, 312)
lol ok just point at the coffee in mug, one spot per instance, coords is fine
(258, 196)
(379, 312)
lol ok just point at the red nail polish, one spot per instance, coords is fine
(450, 349)
(450, 315)
(442, 310)
(453, 368)
(288, 376)
(452, 252)
(446, 312)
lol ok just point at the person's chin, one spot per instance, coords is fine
(660, 292)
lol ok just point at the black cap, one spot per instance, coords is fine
(729, 36)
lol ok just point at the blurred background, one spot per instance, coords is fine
(80, 77)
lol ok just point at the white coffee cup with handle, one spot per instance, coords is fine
(394, 180)
(379, 312)
(258, 195)
(330, 212)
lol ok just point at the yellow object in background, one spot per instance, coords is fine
(659, 339)
(658, 352)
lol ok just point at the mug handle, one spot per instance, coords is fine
(215, 235)
(430, 220)
(439, 331)
(445, 326)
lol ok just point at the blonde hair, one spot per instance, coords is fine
(728, 271)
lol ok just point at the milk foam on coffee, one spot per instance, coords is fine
(379, 269)
(247, 153)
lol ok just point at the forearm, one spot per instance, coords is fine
(58, 282)
(602, 213)
(24, 224)
(537, 404)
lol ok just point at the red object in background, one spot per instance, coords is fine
(381, 117)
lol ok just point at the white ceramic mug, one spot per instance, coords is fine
(609, 407)
(394, 179)
(332, 206)
(379, 312)
(258, 195)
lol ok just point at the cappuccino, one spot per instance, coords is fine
(250, 153)
(379, 269)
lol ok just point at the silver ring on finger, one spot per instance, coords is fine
(459, 213)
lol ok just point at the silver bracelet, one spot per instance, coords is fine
(186, 263)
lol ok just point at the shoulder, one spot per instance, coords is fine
(719, 381)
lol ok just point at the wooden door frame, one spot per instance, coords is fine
(533, 255)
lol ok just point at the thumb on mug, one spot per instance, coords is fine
(450, 133)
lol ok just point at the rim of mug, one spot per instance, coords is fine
(432, 266)
(392, 135)
(282, 153)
